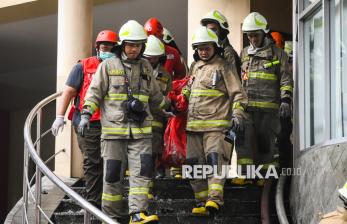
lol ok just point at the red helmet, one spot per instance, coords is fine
(154, 27)
(106, 35)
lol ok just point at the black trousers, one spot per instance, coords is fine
(285, 144)
(92, 162)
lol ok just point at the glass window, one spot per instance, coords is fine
(314, 79)
(308, 2)
(338, 68)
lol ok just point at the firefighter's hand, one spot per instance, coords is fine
(57, 124)
(167, 113)
(285, 110)
(237, 124)
(84, 124)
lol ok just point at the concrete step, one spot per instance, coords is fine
(174, 201)
(172, 219)
(233, 207)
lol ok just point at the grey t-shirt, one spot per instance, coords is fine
(75, 79)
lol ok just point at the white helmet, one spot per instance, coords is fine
(215, 16)
(255, 21)
(343, 191)
(154, 47)
(167, 36)
(132, 31)
(288, 47)
(204, 35)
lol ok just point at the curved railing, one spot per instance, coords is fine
(32, 151)
(281, 211)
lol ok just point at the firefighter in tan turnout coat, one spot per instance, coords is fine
(216, 104)
(124, 89)
(155, 54)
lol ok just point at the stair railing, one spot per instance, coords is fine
(32, 152)
(280, 209)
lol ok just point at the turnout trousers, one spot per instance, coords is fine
(208, 148)
(118, 154)
(257, 144)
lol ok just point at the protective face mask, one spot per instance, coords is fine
(105, 55)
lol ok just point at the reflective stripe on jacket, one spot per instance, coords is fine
(108, 92)
(164, 81)
(215, 94)
(266, 78)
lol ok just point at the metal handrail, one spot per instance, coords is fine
(29, 150)
(280, 209)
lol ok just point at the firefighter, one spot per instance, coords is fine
(169, 39)
(340, 215)
(269, 86)
(155, 54)
(124, 89)
(76, 86)
(216, 104)
(278, 39)
(173, 63)
(217, 22)
(288, 48)
(284, 138)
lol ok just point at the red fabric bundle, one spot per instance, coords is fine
(175, 139)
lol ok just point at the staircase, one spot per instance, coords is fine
(174, 201)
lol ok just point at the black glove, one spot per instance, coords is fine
(84, 124)
(230, 136)
(237, 124)
(285, 110)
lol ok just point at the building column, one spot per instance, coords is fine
(75, 21)
(235, 11)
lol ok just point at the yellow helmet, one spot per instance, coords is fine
(132, 31)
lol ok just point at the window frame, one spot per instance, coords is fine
(300, 15)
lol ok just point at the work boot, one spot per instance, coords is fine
(141, 217)
(176, 173)
(160, 173)
(260, 182)
(150, 196)
(212, 207)
(199, 210)
(241, 181)
(178, 176)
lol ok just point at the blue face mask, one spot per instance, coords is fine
(105, 55)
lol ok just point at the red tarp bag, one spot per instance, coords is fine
(175, 138)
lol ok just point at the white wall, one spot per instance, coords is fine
(172, 14)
